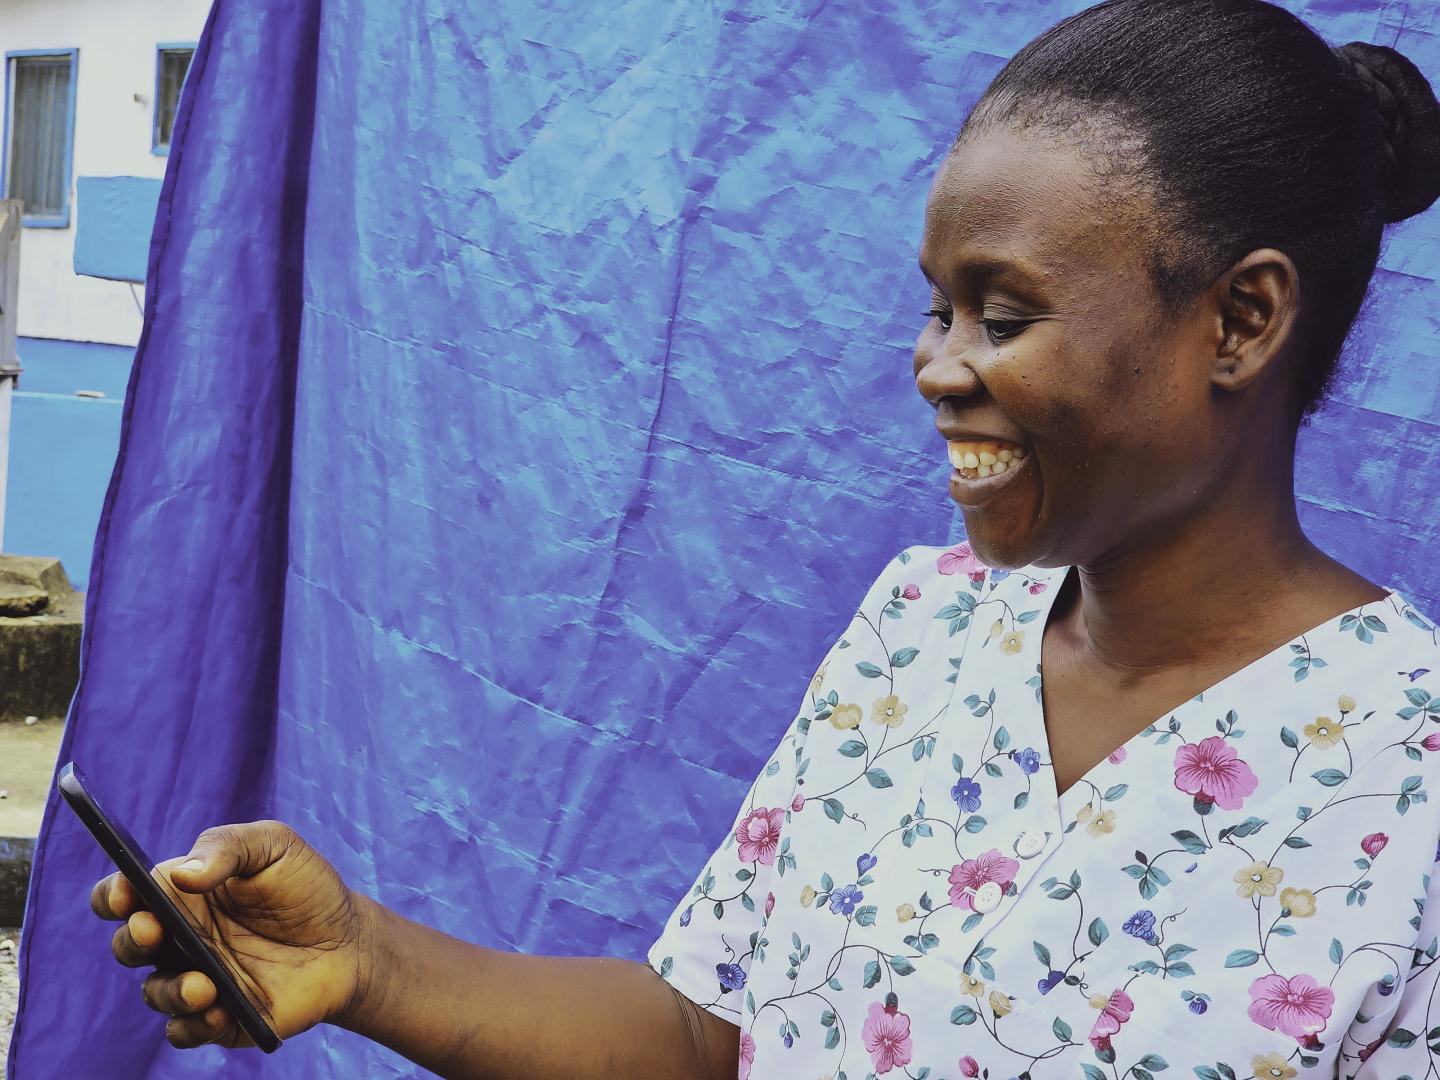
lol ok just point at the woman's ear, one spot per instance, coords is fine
(1257, 304)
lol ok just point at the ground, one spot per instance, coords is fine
(27, 752)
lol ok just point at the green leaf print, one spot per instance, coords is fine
(963, 1014)
(869, 670)
(903, 657)
(1241, 958)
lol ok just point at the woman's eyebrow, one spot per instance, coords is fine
(980, 271)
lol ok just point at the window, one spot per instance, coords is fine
(172, 63)
(39, 133)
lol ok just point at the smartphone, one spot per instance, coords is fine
(180, 926)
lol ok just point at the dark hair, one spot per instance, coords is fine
(1251, 132)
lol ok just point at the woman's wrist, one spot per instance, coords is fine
(369, 951)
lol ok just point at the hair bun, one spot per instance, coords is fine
(1411, 118)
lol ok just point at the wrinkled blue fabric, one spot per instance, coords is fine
(514, 377)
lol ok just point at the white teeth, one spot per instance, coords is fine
(957, 456)
(998, 468)
(1005, 455)
(987, 458)
(971, 460)
(984, 470)
(1019, 452)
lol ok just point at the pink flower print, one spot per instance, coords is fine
(960, 560)
(759, 835)
(887, 1035)
(912, 592)
(1212, 771)
(1375, 843)
(969, 1066)
(747, 1054)
(1037, 587)
(972, 873)
(1292, 1006)
(1431, 742)
(1117, 755)
(769, 904)
(1116, 1011)
(798, 804)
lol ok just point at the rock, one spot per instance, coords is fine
(40, 648)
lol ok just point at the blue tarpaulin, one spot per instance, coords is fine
(523, 406)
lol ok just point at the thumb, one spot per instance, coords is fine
(228, 851)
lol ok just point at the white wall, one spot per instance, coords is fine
(117, 40)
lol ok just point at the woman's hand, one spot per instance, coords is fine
(278, 913)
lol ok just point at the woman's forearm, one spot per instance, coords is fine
(465, 1011)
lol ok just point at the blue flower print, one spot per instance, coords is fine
(843, 901)
(1050, 981)
(966, 794)
(685, 916)
(731, 976)
(1028, 760)
(1198, 1005)
(1140, 925)
(998, 576)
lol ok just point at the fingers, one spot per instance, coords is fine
(232, 851)
(114, 898)
(139, 941)
(197, 1029)
(178, 995)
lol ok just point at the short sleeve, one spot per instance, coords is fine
(1399, 1023)
(707, 944)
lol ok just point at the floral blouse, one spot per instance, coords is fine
(1243, 889)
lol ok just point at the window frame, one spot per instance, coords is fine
(157, 148)
(41, 221)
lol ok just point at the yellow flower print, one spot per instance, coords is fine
(971, 985)
(1271, 1067)
(1101, 823)
(1099, 1001)
(1347, 703)
(1299, 902)
(1324, 732)
(905, 912)
(1258, 879)
(846, 716)
(889, 710)
(1083, 814)
(999, 1003)
(997, 628)
(819, 680)
(1012, 642)
(807, 896)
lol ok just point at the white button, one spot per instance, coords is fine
(986, 898)
(1029, 844)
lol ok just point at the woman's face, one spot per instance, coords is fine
(1049, 344)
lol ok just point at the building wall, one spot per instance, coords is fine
(116, 65)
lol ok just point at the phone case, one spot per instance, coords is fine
(188, 937)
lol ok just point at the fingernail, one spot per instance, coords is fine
(187, 992)
(193, 866)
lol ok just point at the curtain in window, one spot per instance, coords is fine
(40, 133)
(174, 63)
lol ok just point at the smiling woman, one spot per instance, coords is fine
(1137, 777)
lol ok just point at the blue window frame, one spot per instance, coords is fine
(39, 145)
(172, 64)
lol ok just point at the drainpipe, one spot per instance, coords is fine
(9, 362)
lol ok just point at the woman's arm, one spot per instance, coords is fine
(314, 951)
(465, 1011)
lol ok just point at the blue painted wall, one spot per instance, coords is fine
(62, 448)
(116, 216)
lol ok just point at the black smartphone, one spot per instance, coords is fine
(180, 927)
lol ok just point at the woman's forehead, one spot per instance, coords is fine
(1030, 200)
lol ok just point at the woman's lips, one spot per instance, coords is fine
(969, 488)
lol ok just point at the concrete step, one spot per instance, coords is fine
(27, 766)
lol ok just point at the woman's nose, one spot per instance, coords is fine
(942, 372)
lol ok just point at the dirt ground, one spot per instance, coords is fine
(27, 763)
(9, 988)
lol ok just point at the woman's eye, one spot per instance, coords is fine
(1002, 329)
(942, 315)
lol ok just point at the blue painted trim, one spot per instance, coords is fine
(158, 148)
(36, 221)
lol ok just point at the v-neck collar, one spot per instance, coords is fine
(1063, 806)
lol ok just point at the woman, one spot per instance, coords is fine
(1135, 779)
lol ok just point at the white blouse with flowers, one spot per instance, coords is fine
(1239, 890)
